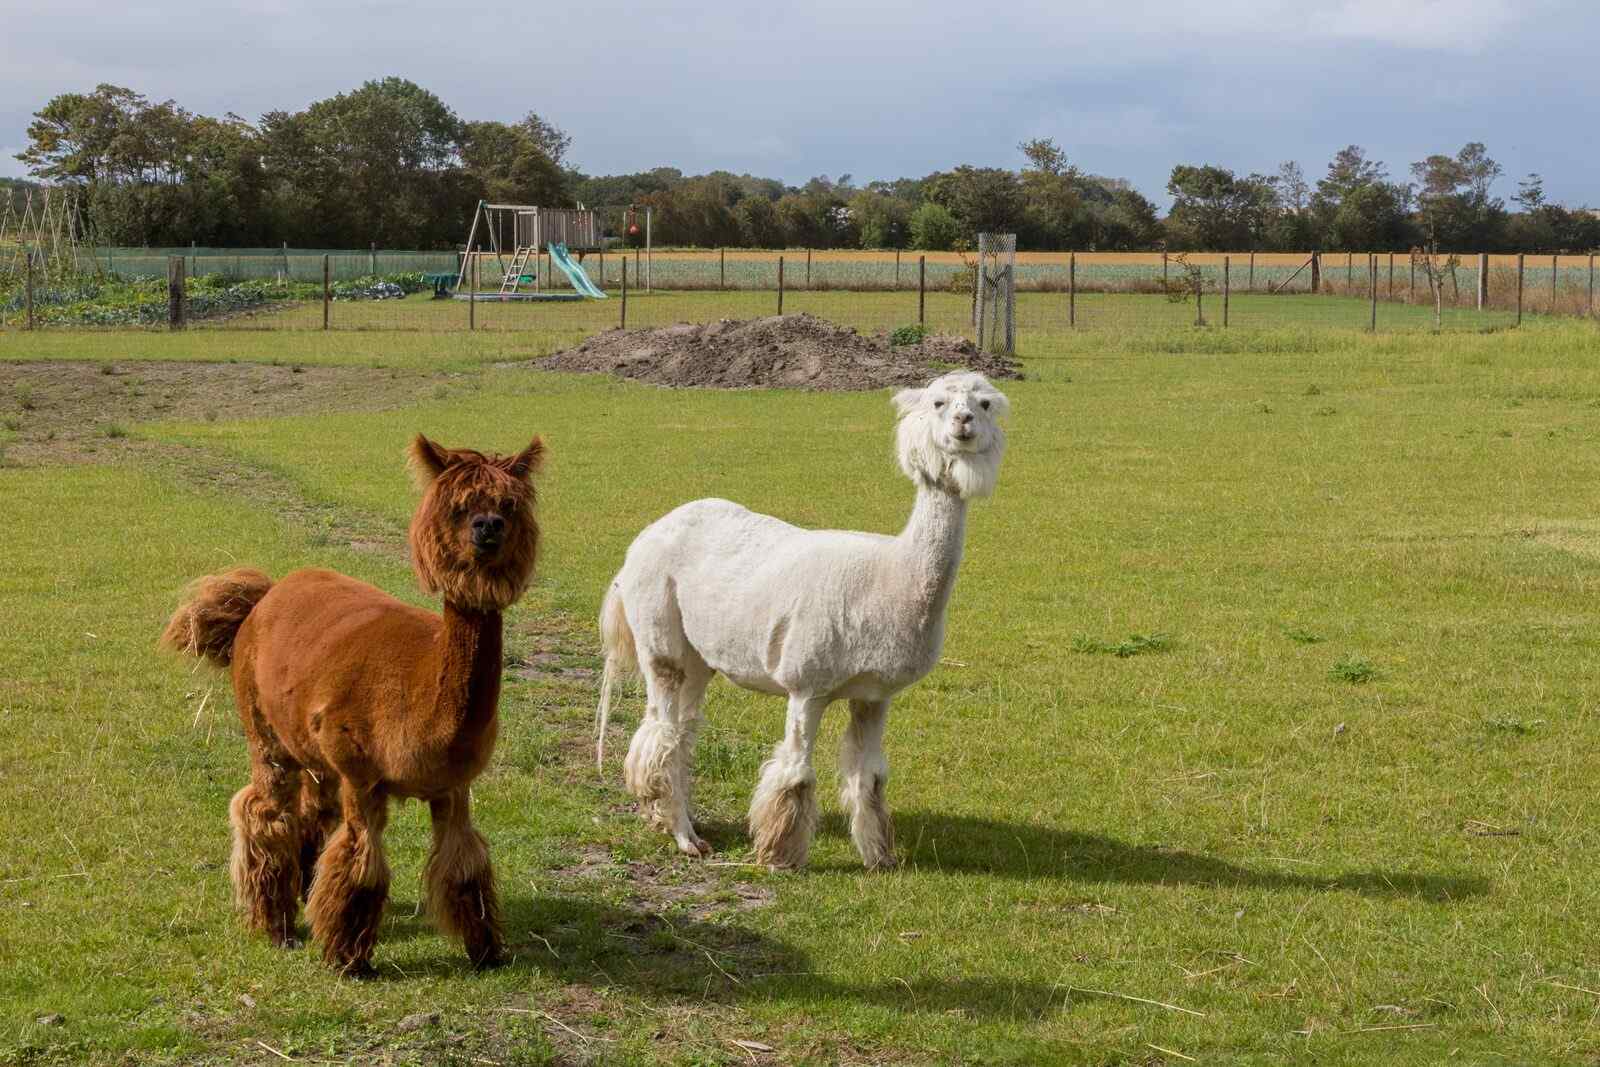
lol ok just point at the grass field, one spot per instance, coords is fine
(1264, 729)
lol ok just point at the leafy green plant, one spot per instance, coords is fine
(1135, 645)
(1304, 637)
(913, 334)
(1353, 669)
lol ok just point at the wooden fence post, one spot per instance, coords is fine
(1252, 286)
(286, 261)
(175, 272)
(372, 258)
(1199, 297)
(1163, 271)
(808, 268)
(1555, 272)
(780, 285)
(722, 268)
(1483, 280)
(1391, 275)
(1225, 287)
(1519, 288)
(1072, 289)
(922, 288)
(1372, 284)
(1411, 297)
(27, 285)
(327, 288)
(1316, 272)
(1349, 269)
(897, 268)
(624, 322)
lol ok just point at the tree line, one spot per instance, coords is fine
(390, 163)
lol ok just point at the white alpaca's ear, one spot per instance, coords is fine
(906, 400)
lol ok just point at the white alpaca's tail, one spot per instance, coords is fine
(616, 640)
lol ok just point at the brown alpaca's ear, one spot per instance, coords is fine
(527, 461)
(427, 460)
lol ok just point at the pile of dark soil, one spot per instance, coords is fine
(780, 351)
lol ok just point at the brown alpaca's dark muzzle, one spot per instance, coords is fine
(488, 532)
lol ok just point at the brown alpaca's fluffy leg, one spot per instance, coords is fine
(266, 847)
(460, 883)
(864, 772)
(352, 883)
(319, 817)
(783, 811)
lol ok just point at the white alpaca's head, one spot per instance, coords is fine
(950, 436)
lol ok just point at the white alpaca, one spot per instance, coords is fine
(814, 615)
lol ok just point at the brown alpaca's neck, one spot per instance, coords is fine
(469, 656)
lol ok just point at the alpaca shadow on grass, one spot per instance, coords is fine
(961, 843)
(582, 941)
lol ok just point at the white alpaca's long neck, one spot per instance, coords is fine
(930, 547)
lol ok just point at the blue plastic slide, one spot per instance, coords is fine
(580, 280)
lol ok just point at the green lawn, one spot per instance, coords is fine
(1337, 805)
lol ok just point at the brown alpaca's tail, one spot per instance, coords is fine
(622, 657)
(213, 609)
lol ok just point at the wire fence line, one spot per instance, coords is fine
(337, 291)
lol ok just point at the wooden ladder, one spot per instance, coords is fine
(512, 279)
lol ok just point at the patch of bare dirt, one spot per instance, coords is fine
(779, 351)
(653, 888)
(74, 410)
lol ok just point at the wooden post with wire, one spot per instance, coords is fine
(1252, 286)
(175, 272)
(1555, 273)
(1226, 284)
(327, 287)
(1483, 280)
(1072, 289)
(722, 268)
(808, 268)
(1391, 275)
(1591, 285)
(1372, 285)
(1199, 297)
(897, 268)
(624, 323)
(1316, 272)
(1519, 288)
(1163, 270)
(780, 285)
(922, 287)
(472, 295)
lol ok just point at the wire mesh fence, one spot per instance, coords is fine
(265, 289)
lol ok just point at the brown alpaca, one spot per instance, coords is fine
(349, 698)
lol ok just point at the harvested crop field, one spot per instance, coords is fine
(779, 351)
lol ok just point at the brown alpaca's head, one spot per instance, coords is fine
(474, 538)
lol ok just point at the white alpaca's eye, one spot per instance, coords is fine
(937, 404)
(984, 404)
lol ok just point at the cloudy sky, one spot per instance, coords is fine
(1128, 87)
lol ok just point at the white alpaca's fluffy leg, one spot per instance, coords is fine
(783, 811)
(864, 774)
(660, 760)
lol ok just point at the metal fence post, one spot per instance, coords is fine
(1226, 284)
(472, 295)
(1349, 269)
(1072, 289)
(372, 258)
(1252, 272)
(1555, 272)
(1591, 285)
(327, 288)
(624, 324)
(1391, 275)
(1519, 288)
(780, 285)
(922, 288)
(1483, 280)
(27, 288)
(175, 272)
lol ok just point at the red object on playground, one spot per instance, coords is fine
(633, 230)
